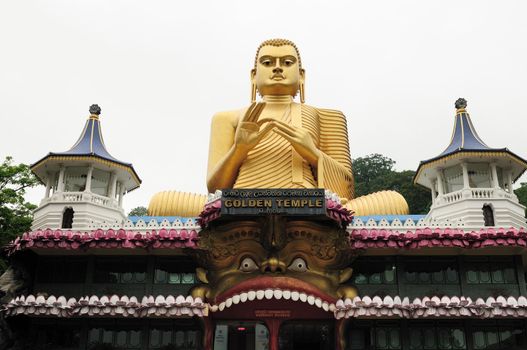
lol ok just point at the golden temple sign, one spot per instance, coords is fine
(273, 201)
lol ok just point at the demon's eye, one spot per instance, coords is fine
(298, 265)
(248, 265)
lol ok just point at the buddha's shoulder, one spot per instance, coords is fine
(324, 112)
(227, 117)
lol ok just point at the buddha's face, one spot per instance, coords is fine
(277, 71)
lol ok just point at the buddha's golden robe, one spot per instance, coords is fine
(273, 163)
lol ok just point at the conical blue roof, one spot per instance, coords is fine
(91, 144)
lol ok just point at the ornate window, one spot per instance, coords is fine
(127, 271)
(431, 270)
(173, 271)
(369, 270)
(499, 335)
(114, 336)
(377, 335)
(490, 270)
(432, 336)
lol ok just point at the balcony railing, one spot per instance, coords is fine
(73, 197)
(474, 193)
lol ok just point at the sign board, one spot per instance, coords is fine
(261, 337)
(221, 337)
(287, 201)
(272, 313)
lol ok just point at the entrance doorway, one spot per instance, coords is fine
(241, 336)
(307, 335)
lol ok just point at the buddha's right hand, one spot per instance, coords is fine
(249, 131)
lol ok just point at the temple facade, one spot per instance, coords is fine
(271, 269)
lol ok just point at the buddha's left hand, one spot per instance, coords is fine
(300, 139)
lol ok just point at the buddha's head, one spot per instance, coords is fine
(277, 69)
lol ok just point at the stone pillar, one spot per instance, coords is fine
(466, 181)
(434, 182)
(494, 174)
(509, 181)
(89, 174)
(60, 185)
(440, 183)
(48, 186)
(113, 185)
(121, 194)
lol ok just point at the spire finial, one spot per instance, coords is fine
(461, 103)
(95, 110)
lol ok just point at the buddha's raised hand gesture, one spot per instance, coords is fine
(249, 131)
(299, 138)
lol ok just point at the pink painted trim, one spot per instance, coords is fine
(334, 210)
(447, 307)
(439, 237)
(124, 306)
(58, 239)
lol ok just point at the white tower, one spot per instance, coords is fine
(472, 182)
(83, 185)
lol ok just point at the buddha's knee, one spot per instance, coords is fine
(379, 203)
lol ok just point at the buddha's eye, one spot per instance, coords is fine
(298, 265)
(248, 265)
(288, 63)
(266, 62)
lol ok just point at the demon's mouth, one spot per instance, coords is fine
(266, 288)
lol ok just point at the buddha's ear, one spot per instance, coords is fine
(302, 75)
(253, 75)
(202, 275)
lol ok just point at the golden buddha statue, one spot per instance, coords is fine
(279, 143)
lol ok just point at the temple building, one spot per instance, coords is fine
(273, 268)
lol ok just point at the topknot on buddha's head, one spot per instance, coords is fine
(278, 42)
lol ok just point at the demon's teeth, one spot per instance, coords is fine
(325, 306)
(303, 297)
(278, 294)
(332, 307)
(214, 308)
(286, 294)
(269, 294)
(243, 297)
(236, 299)
(318, 302)
(310, 300)
(221, 306)
(295, 295)
(251, 295)
(228, 302)
(260, 294)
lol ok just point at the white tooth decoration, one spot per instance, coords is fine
(243, 297)
(325, 306)
(221, 306)
(214, 308)
(236, 299)
(318, 302)
(295, 295)
(269, 294)
(228, 302)
(251, 295)
(303, 297)
(310, 300)
(278, 294)
(286, 294)
(260, 294)
(332, 307)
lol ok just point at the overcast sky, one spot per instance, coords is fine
(161, 69)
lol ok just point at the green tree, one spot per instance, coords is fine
(375, 173)
(15, 213)
(521, 193)
(138, 211)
